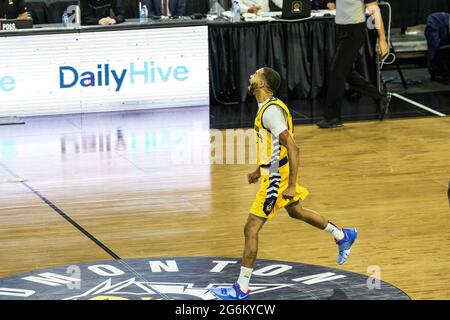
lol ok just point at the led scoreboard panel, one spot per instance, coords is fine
(101, 71)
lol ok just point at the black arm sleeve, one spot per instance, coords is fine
(119, 11)
(20, 5)
(87, 13)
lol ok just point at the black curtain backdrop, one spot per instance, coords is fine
(301, 52)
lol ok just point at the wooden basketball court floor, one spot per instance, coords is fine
(137, 184)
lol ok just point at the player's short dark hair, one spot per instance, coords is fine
(273, 79)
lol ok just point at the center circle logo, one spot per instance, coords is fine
(190, 278)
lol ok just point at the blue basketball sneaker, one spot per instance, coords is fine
(345, 244)
(230, 293)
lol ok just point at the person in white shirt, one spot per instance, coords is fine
(256, 6)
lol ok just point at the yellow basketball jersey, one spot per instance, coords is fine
(267, 146)
(275, 171)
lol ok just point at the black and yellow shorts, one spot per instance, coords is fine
(269, 197)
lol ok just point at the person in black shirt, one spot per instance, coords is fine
(102, 12)
(13, 9)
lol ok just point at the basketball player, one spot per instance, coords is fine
(278, 161)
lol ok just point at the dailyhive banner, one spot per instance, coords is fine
(83, 72)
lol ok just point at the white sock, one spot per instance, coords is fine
(244, 278)
(334, 231)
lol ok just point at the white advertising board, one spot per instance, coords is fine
(104, 71)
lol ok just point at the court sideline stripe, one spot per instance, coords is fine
(84, 231)
(64, 215)
(73, 222)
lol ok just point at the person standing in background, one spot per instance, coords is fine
(351, 34)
